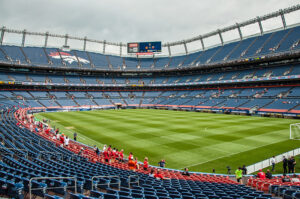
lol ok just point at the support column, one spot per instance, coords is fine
(84, 43)
(46, 39)
(282, 18)
(260, 25)
(2, 35)
(66, 39)
(185, 48)
(239, 29)
(104, 43)
(23, 38)
(202, 43)
(221, 38)
(120, 49)
(169, 49)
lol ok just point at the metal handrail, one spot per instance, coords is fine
(46, 178)
(13, 149)
(109, 183)
(28, 138)
(48, 152)
(133, 176)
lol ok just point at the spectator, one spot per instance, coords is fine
(146, 164)
(104, 147)
(75, 135)
(158, 175)
(57, 136)
(131, 164)
(291, 164)
(81, 151)
(162, 163)
(113, 155)
(109, 148)
(62, 140)
(106, 156)
(228, 170)
(152, 172)
(295, 178)
(294, 164)
(273, 162)
(269, 174)
(67, 141)
(97, 151)
(117, 154)
(284, 164)
(261, 175)
(121, 155)
(130, 156)
(186, 172)
(239, 175)
(244, 170)
(136, 163)
(285, 178)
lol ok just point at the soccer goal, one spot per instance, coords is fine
(295, 131)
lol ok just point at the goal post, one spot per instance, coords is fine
(295, 131)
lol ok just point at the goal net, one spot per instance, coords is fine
(295, 131)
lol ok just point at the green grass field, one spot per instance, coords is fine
(200, 141)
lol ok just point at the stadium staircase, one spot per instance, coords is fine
(230, 53)
(41, 103)
(283, 39)
(26, 58)
(264, 44)
(209, 59)
(246, 50)
(56, 102)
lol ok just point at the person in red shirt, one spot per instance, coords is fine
(109, 148)
(146, 164)
(121, 155)
(47, 131)
(117, 155)
(62, 139)
(158, 175)
(106, 156)
(130, 156)
(113, 155)
(136, 163)
(261, 175)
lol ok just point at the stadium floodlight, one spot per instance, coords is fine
(295, 131)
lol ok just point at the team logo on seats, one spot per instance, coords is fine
(68, 57)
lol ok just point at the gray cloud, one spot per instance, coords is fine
(133, 20)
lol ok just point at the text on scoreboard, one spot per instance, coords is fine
(144, 47)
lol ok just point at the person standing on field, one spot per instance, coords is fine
(75, 136)
(284, 164)
(273, 162)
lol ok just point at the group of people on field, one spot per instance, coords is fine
(289, 164)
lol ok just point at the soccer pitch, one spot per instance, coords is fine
(199, 141)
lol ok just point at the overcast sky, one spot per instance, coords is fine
(135, 20)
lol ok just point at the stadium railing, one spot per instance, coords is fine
(266, 163)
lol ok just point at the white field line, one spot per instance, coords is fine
(226, 156)
(79, 135)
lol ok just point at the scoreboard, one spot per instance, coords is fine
(144, 47)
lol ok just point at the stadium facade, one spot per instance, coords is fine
(252, 75)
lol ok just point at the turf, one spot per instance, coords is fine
(200, 141)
